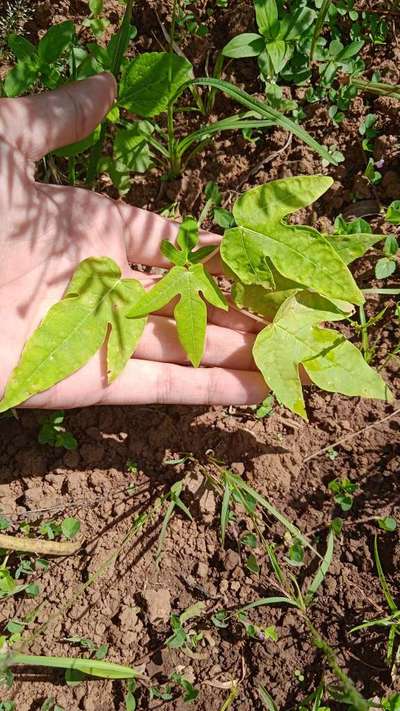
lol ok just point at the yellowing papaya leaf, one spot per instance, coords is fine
(333, 363)
(75, 328)
(298, 252)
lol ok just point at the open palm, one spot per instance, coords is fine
(46, 230)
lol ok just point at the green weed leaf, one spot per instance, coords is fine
(331, 361)
(55, 41)
(21, 77)
(131, 146)
(247, 44)
(76, 327)
(151, 81)
(297, 252)
(20, 46)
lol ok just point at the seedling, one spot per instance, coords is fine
(95, 21)
(343, 490)
(183, 636)
(289, 273)
(53, 432)
(368, 131)
(175, 501)
(281, 37)
(387, 265)
(392, 621)
(97, 651)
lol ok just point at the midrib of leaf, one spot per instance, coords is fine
(77, 327)
(304, 343)
(192, 296)
(303, 255)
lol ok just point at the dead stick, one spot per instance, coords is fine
(352, 434)
(36, 545)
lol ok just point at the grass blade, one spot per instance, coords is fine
(322, 570)
(225, 511)
(266, 112)
(93, 667)
(319, 25)
(267, 699)
(385, 588)
(237, 482)
(277, 600)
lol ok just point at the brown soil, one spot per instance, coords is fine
(128, 606)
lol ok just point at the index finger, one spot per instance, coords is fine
(144, 232)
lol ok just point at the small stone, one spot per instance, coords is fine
(158, 604)
(238, 468)
(202, 570)
(235, 586)
(223, 588)
(232, 560)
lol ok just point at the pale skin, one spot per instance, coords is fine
(46, 230)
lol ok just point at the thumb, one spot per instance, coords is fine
(36, 125)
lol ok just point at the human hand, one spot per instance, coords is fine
(46, 230)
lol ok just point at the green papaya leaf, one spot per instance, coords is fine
(190, 312)
(258, 300)
(55, 41)
(75, 148)
(247, 44)
(352, 246)
(20, 46)
(75, 328)
(298, 252)
(21, 77)
(151, 80)
(333, 363)
(126, 332)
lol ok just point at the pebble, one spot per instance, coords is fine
(158, 604)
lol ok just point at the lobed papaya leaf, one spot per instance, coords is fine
(76, 327)
(297, 252)
(295, 337)
(353, 246)
(190, 312)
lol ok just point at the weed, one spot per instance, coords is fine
(391, 621)
(53, 432)
(343, 490)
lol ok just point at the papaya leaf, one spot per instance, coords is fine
(298, 252)
(75, 328)
(190, 312)
(353, 246)
(151, 81)
(333, 363)
(186, 279)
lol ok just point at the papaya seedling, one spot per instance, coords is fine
(292, 276)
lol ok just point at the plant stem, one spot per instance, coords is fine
(121, 45)
(364, 333)
(174, 161)
(353, 697)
